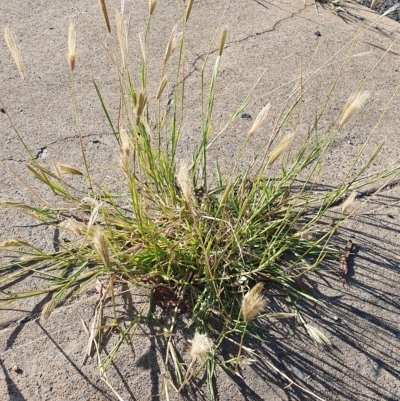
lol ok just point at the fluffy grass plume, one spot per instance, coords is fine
(352, 106)
(222, 41)
(13, 46)
(262, 115)
(282, 146)
(347, 204)
(65, 169)
(200, 347)
(253, 303)
(121, 33)
(71, 46)
(152, 6)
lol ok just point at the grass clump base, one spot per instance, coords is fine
(203, 243)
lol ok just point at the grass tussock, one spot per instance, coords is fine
(210, 244)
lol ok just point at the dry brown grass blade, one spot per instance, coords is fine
(85, 327)
(93, 333)
(105, 14)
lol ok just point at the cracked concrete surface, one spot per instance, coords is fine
(274, 40)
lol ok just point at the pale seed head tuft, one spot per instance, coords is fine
(48, 309)
(201, 346)
(141, 104)
(143, 46)
(188, 9)
(351, 107)
(259, 120)
(317, 336)
(172, 42)
(12, 43)
(65, 169)
(101, 248)
(74, 226)
(152, 6)
(280, 148)
(161, 87)
(253, 303)
(121, 33)
(71, 46)
(349, 202)
(105, 14)
(125, 163)
(124, 142)
(184, 182)
(222, 40)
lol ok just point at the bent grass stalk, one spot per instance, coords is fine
(211, 247)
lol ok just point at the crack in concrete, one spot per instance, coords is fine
(41, 149)
(229, 44)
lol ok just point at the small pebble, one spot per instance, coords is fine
(17, 369)
(246, 116)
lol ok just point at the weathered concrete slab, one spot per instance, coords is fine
(272, 37)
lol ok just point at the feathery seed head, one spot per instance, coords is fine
(259, 120)
(152, 6)
(124, 142)
(71, 46)
(65, 169)
(125, 163)
(201, 346)
(48, 309)
(121, 33)
(351, 107)
(143, 46)
(100, 246)
(172, 42)
(348, 202)
(12, 43)
(184, 182)
(105, 14)
(141, 104)
(125, 145)
(317, 336)
(222, 40)
(188, 9)
(280, 148)
(161, 87)
(253, 303)
(74, 226)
